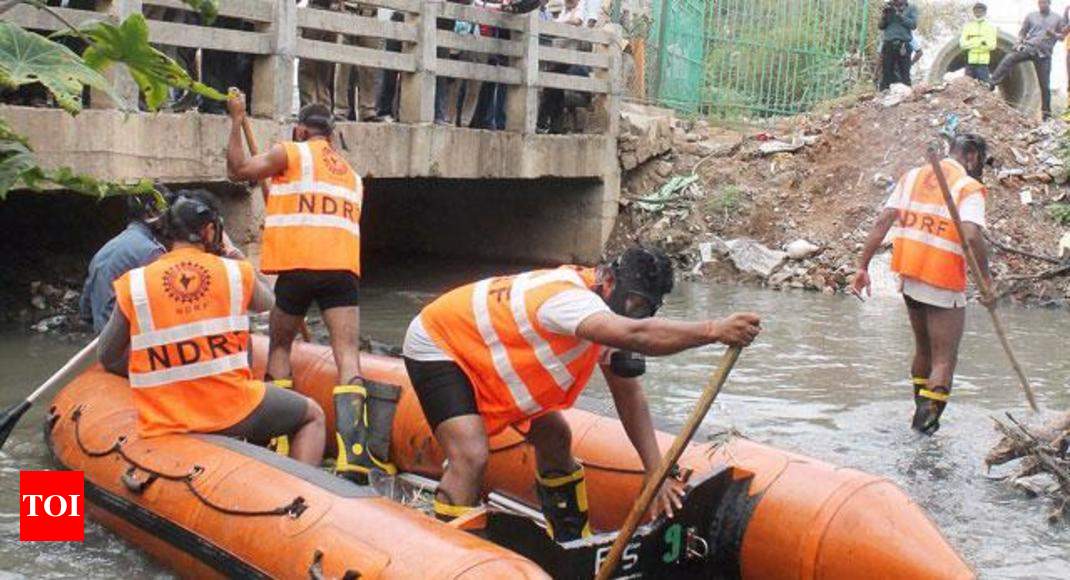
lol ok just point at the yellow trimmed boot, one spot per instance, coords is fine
(364, 417)
(280, 444)
(564, 503)
(929, 405)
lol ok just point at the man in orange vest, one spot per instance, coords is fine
(512, 351)
(927, 254)
(180, 331)
(312, 241)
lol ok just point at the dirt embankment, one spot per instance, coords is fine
(704, 193)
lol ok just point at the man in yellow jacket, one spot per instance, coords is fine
(978, 40)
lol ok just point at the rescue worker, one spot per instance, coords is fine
(137, 245)
(512, 351)
(312, 242)
(927, 255)
(978, 39)
(181, 334)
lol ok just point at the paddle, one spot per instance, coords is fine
(12, 415)
(254, 150)
(646, 497)
(982, 284)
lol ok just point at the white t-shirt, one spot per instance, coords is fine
(972, 209)
(561, 314)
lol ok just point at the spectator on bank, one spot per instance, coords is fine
(490, 106)
(1036, 42)
(447, 88)
(978, 40)
(315, 78)
(591, 12)
(897, 23)
(386, 102)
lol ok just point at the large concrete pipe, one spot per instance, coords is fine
(1021, 88)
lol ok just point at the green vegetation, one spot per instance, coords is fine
(726, 201)
(1060, 212)
(27, 57)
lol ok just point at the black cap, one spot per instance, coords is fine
(190, 212)
(318, 117)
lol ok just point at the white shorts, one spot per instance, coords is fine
(931, 295)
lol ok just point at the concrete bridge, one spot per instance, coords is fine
(433, 189)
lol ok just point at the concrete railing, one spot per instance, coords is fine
(276, 43)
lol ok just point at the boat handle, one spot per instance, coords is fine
(697, 546)
(135, 485)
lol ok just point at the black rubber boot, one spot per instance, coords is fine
(364, 417)
(929, 405)
(564, 503)
(280, 444)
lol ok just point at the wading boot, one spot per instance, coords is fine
(280, 444)
(929, 404)
(472, 519)
(564, 503)
(364, 419)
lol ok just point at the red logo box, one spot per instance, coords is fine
(51, 506)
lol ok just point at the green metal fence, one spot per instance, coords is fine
(755, 58)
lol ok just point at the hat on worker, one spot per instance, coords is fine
(316, 116)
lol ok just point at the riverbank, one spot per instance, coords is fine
(791, 205)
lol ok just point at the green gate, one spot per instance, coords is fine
(756, 58)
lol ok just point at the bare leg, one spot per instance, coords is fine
(309, 440)
(945, 331)
(551, 437)
(464, 440)
(922, 364)
(343, 326)
(283, 329)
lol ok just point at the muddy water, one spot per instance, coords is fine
(826, 379)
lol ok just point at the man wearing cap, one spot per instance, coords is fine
(978, 40)
(927, 254)
(180, 332)
(312, 242)
(510, 352)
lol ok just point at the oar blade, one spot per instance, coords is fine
(10, 418)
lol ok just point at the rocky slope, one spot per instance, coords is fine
(727, 204)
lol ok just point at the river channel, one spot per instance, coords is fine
(827, 378)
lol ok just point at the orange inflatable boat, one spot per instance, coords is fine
(209, 506)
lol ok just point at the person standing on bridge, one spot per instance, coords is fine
(927, 254)
(180, 332)
(512, 351)
(978, 39)
(312, 242)
(1036, 42)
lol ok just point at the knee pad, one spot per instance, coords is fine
(564, 503)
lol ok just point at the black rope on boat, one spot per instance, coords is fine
(293, 509)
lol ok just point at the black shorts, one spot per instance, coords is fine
(295, 290)
(443, 389)
(281, 412)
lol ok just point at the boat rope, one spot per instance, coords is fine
(293, 509)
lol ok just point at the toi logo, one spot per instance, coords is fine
(51, 506)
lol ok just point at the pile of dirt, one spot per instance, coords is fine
(822, 178)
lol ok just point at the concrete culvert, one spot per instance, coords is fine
(1021, 88)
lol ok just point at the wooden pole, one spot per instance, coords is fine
(979, 279)
(639, 509)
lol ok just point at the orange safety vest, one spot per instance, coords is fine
(925, 244)
(519, 369)
(189, 337)
(313, 212)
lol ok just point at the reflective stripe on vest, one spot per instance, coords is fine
(311, 220)
(148, 336)
(556, 366)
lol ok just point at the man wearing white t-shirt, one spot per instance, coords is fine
(927, 254)
(512, 351)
